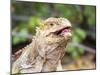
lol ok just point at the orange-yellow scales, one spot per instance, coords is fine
(45, 52)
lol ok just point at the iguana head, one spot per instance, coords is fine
(55, 30)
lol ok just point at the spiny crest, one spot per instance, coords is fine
(55, 20)
(20, 51)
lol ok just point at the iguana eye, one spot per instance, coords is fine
(51, 24)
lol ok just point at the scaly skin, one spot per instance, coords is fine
(47, 48)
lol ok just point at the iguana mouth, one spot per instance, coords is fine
(62, 31)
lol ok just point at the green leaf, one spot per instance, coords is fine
(75, 55)
(24, 31)
(34, 21)
(76, 39)
(81, 33)
(70, 49)
(81, 51)
(16, 40)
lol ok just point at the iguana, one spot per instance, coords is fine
(46, 50)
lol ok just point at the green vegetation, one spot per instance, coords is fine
(28, 15)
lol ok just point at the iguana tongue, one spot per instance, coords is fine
(64, 31)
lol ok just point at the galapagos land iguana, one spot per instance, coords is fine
(46, 50)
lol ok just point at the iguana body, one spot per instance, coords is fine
(47, 48)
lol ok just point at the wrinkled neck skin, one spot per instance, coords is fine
(50, 53)
(45, 47)
(41, 56)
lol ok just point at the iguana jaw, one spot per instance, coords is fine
(59, 36)
(62, 31)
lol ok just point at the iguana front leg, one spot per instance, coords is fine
(59, 66)
(27, 57)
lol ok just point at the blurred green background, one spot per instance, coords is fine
(27, 15)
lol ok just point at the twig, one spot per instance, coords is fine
(21, 35)
(86, 48)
